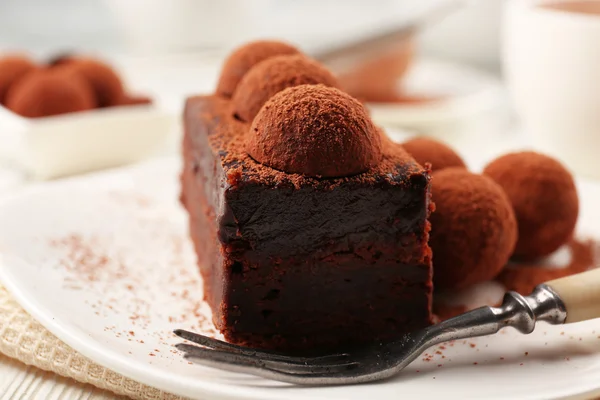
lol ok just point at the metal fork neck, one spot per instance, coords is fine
(520, 312)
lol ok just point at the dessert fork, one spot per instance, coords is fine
(566, 300)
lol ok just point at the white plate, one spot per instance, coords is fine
(10, 178)
(104, 263)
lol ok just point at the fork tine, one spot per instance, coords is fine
(200, 353)
(207, 341)
(263, 372)
(216, 344)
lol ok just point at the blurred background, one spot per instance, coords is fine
(449, 81)
(167, 31)
(116, 27)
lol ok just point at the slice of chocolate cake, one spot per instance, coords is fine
(309, 235)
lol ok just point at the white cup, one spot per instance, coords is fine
(552, 66)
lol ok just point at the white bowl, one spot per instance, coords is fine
(472, 109)
(80, 142)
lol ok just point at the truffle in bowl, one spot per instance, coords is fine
(53, 126)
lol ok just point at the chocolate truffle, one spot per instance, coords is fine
(273, 75)
(50, 92)
(544, 197)
(105, 82)
(13, 68)
(244, 58)
(440, 156)
(473, 229)
(316, 131)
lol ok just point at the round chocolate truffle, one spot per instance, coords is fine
(544, 197)
(13, 68)
(50, 92)
(244, 58)
(316, 131)
(473, 229)
(105, 82)
(439, 155)
(273, 75)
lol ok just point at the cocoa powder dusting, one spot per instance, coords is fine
(103, 265)
(524, 277)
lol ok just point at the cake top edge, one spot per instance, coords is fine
(212, 115)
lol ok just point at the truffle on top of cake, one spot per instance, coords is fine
(271, 76)
(245, 57)
(316, 131)
(13, 68)
(544, 196)
(49, 92)
(439, 155)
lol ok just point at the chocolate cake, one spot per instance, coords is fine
(299, 262)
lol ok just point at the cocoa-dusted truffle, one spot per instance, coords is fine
(50, 92)
(13, 68)
(544, 197)
(439, 155)
(473, 229)
(272, 76)
(244, 58)
(107, 85)
(316, 131)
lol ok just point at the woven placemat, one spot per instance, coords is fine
(24, 339)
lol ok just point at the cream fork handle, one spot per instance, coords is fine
(580, 294)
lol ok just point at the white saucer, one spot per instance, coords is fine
(472, 104)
